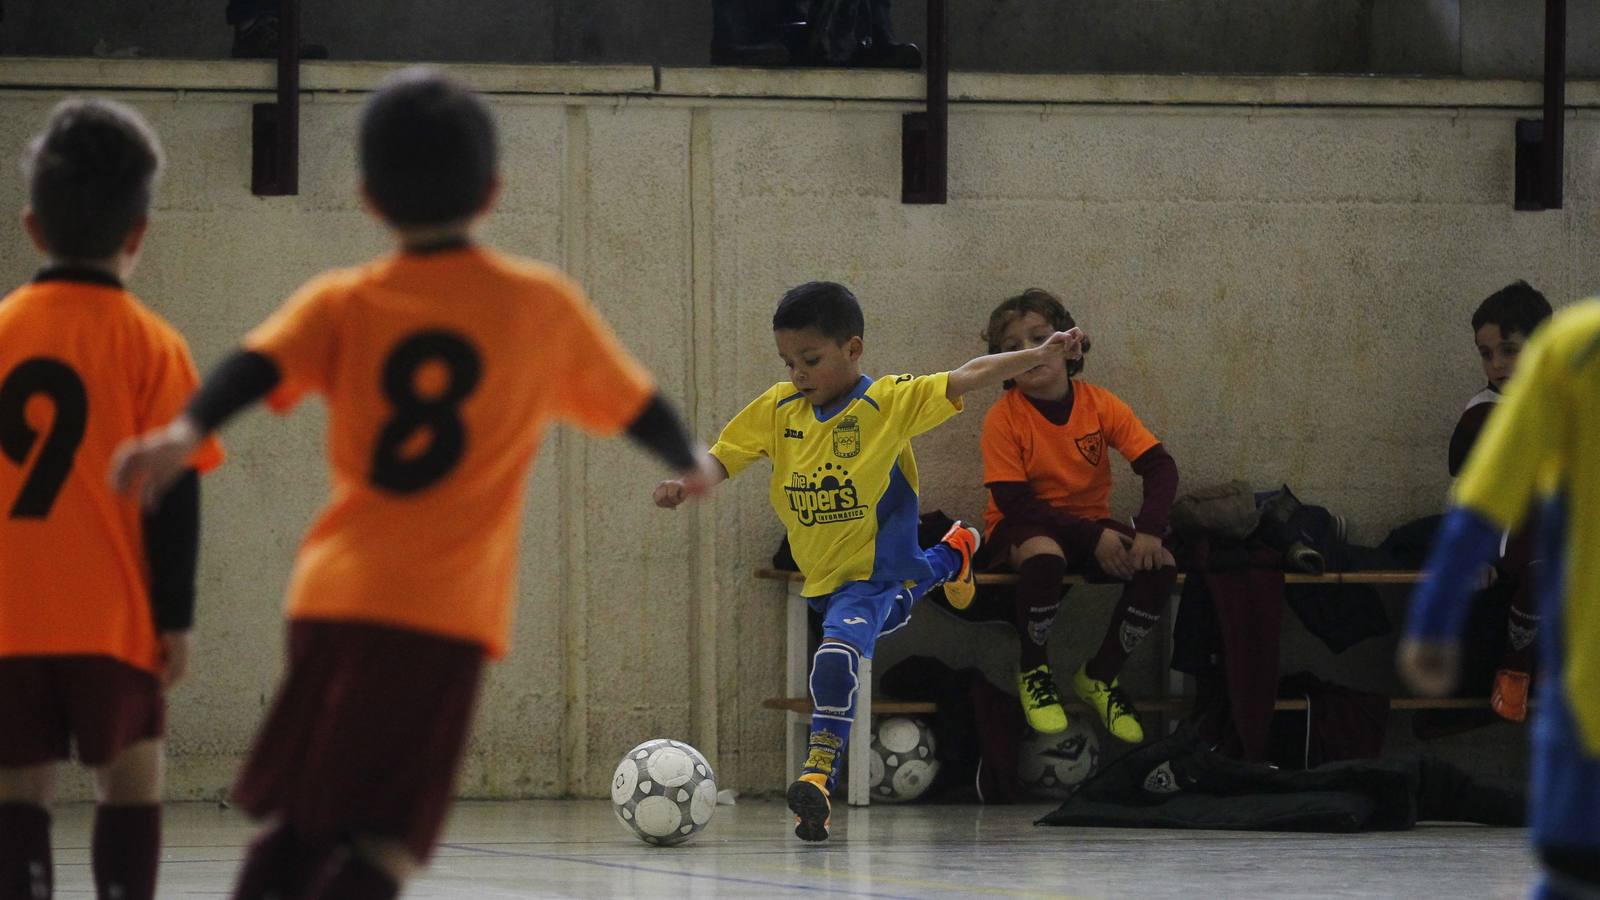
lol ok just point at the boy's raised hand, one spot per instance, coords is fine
(707, 474)
(670, 494)
(997, 367)
(152, 462)
(1069, 343)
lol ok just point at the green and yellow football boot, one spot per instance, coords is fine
(1111, 705)
(1041, 702)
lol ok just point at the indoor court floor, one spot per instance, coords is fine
(577, 849)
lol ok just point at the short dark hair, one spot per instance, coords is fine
(428, 154)
(1032, 300)
(1515, 307)
(90, 174)
(828, 307)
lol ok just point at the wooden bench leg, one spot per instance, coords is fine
(861, 739)
(1172, 677)
(798, 641)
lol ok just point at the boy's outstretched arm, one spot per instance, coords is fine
(707, 474)
(997, 367)
(153, 462)
(1429, 657)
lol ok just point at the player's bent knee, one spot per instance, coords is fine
(1035, 546)
(834, 678)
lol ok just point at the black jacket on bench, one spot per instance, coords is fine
(1178, 782)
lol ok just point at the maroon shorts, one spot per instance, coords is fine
(995, 554)
(365, 734)
(48, 703)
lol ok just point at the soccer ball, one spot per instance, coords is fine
(1052, 765)
(664, 792)
(903, 760)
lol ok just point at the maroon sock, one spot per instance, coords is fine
(125, 850)
(354, 879)
(279, 865)
(1038, 601)
(1522, 628)
(1137, 613)
(24, 852)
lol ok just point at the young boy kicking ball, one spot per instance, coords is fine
(844, 484)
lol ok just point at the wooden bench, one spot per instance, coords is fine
(797, 704)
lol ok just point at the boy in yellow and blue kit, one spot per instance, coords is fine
(844, 483)
(1543, 443)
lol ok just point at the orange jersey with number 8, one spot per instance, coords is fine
(441, 372)
(83, 367)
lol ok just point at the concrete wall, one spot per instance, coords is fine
(1281, 292)
(1477, 38)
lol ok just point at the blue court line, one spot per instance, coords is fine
(657, 871)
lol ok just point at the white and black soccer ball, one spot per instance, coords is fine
(1052, 765)
(904, 759)
(664, 792)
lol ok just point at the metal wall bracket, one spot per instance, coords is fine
(275, 127)
(925, 136)
(1541, 143)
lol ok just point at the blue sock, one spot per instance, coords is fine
(834, 682)
(944, 560)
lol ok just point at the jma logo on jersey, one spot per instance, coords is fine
(824, 498)
(847, 438)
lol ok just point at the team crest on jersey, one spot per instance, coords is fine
(828, 495)
(847, 438)
(1092, 446)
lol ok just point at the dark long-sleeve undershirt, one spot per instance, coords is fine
(172, 548)
(659, 430)
(1159, 471)
(238, 381)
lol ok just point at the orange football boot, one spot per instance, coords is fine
(964, 539)
(1510, 697)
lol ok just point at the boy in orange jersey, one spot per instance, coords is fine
(95, 600)
(1047, 465)
(441, 366)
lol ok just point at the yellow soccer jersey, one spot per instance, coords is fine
(844, 481)
(1544, 443)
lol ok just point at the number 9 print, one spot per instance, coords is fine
(56, 380)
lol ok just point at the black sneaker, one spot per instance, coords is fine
(808, 800)
(258, 39)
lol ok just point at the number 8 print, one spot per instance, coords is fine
(56, 380)
(392, 468)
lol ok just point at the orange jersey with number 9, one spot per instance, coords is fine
(441, 372)
(83, 367)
